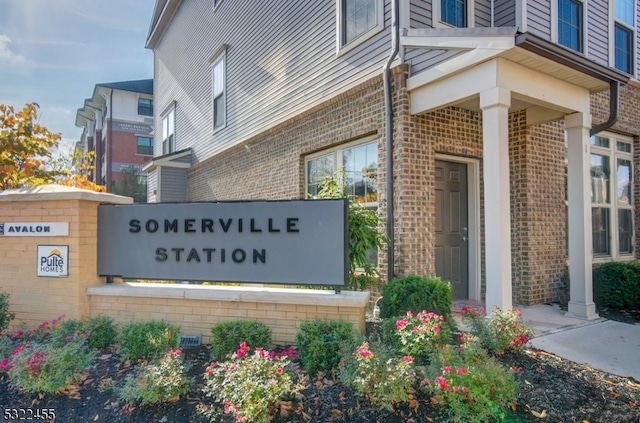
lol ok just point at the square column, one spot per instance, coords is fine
(495, 103)
(579, 216)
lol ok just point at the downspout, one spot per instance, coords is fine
(110, 158)
(614, 108)
(388, 107)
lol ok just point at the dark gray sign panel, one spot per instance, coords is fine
(290, 242)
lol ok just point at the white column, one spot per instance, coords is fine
(495, 104)
(579, 216)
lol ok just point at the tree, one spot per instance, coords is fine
(25, 153)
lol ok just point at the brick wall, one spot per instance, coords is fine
(197, 309)
(35, 299)
(271, 165)
(125, 150)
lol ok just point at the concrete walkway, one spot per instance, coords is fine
(606, 345)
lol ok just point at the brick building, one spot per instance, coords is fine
(117, 124)
(497, 139)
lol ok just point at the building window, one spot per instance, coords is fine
(358, 160)
(145, 107)
(145, 146)
(358, 20)
(168, 131)
(453, 13)
(218, 83)
(570, 24)
(611, 196)
(623, 35)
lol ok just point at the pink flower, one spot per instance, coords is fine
(363, 352)
(519, 312)
(227, 403)
(4, 365)
(461, 371)
(407, 359)
(401, 324)
(447, 369)
(243, 350)
(17, 350)
(441, 382)
(279, 370)
(16, 334)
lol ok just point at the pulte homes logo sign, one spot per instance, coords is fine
(53, 260)
(290, 242)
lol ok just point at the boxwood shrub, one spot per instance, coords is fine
(617, 285)
(322, 343)
(227, 336)
(417, 293)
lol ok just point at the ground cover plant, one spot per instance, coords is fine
(371, 383)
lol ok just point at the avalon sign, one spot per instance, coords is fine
(290, 242)
(34, 229)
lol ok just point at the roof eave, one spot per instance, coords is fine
(160, 24)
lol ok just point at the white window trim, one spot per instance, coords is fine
(171, 109)
(338, 164)
(141, 97)
(613, 155)
(342, 49)
(612, 42)
(555, 23)
(218, 56)
(437, 15)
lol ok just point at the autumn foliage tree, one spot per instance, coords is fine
(26, 153)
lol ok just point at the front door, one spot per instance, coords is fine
(452, 227)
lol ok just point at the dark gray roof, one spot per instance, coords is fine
(144, 86)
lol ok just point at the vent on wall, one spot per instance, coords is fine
(190, 341)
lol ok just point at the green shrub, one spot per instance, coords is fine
(471, 384)
(503, 331)
(5, 316)
(42, 367)
(150, 339)
(157, 382)
(226, 336)
(322, 343)
(100, 331)
(617, 285)
(417, 293)
(374, 371)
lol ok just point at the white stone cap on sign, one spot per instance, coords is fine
(53, 192)
(254, 294)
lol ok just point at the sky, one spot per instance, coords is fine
(54, 52)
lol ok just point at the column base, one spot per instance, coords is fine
(582, 310)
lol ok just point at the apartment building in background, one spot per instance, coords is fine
(117, 123)
(498, 139)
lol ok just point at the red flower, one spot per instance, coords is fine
(441, 382)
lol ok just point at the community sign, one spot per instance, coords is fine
(285, 242)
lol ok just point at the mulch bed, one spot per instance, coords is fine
(551, 390)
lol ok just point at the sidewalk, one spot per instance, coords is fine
(606, 345)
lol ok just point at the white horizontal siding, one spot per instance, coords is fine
(539, 18)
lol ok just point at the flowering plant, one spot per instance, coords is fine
(504, 331)
(421, 334)
(384, 379)
(41, 367)
(158, 382)
(249, 385)
(474, 386)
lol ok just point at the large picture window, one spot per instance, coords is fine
(359, 161)
(611, 196)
